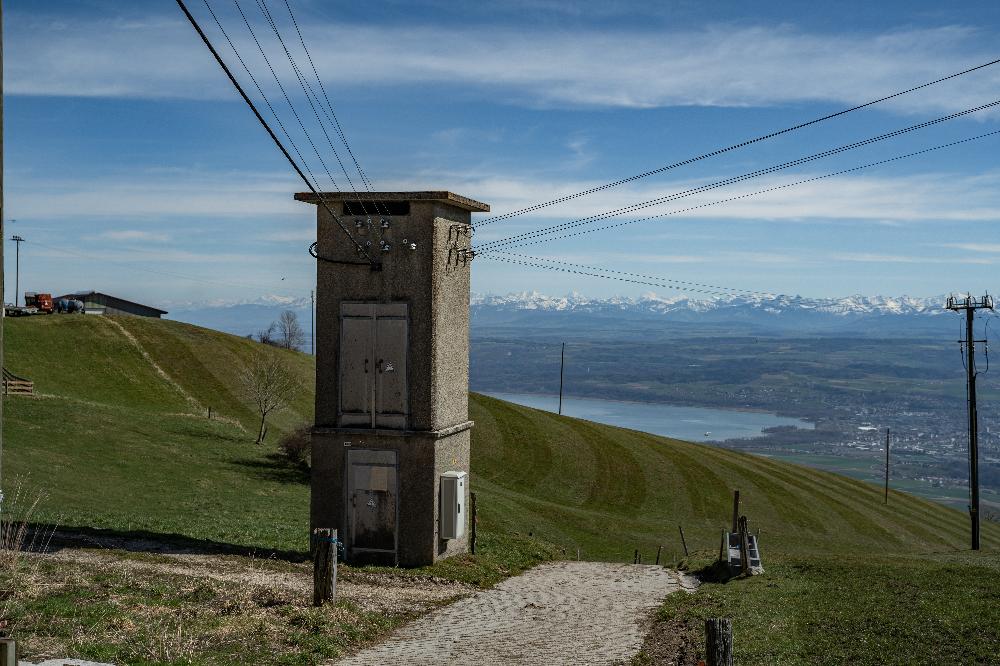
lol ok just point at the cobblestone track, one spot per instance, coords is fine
(556, 613)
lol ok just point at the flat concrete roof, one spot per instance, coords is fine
(450, 197)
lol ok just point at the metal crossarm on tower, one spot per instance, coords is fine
(969, 304)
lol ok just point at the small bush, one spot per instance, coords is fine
(296, 446)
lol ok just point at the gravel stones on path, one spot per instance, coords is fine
(556, 613)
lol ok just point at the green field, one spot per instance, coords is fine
(118, 437)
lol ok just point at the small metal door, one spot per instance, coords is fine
(390, 366)
(372, 506)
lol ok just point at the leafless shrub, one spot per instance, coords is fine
(296, 446)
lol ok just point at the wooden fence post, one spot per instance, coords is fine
(472, 527)
(658, 549)
(683, 540)
(719, 641)
(324, 566)
(635, 558)
(744, 545)
(8, 652)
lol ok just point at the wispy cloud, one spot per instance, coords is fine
(880, 199)
(990, 248)
(134, 235)
(721, 65)
(876, 258)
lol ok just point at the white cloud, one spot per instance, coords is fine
(876, 258)
(722, 65)
(134, 235)
(157, 193)
(990, 248)
(880, 199)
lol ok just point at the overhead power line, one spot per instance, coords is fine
(727, 149)
(562, 267)
(735, 179)
(309, 93)
(236, 84)
(731, 291)
(284, 93)
(329, 105)
(753, 194)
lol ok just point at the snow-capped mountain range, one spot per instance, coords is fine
(772, 305)
(748, 314)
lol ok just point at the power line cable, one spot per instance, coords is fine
(270, 132)
(260, 90)
(619, 278)
(728, 290)
(735, 146)
(735, 179)
(753, 194)
(313, 251)
(309, 93)
(329, 105)
(284, 93)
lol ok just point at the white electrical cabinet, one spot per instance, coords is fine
(453, 505)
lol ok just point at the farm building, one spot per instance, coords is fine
(94, 302)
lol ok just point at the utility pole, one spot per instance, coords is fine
(17, 271)
(562, 365)
(886, 465)
(312, 322)
(969, 305)
(1, 248)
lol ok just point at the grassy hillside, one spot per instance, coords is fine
(118, 438)
(113, 442)
(609, 490)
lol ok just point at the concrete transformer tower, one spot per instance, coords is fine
(391, 441)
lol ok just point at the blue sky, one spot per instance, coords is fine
(132, 167)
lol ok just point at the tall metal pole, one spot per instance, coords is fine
(886, 465)
(969, 305)
(562, 364)
(973, 429)
(17, 267)
(1, 248)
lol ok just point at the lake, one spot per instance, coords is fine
(694, 424)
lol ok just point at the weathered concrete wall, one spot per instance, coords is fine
(438, 299)
(434, 281)
(422, 459)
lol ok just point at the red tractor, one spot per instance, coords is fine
(41, 302)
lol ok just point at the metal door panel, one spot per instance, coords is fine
(372, 505)
(390, 366)
(356, 370)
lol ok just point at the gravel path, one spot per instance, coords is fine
(556, 613)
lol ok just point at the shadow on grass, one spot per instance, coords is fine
(142, 541)
(276, 467)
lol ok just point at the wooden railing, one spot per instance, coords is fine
(14, 385)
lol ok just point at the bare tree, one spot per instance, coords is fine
(268, 383)
(290, 333)
(267, 336)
